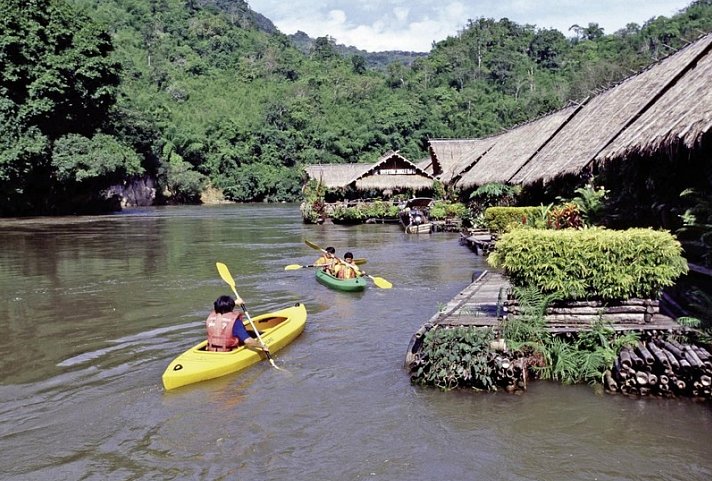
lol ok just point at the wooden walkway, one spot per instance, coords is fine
(482, 304)
(479, 304)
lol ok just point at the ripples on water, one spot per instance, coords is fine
(94, 308)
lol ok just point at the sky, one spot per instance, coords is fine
(413, 25)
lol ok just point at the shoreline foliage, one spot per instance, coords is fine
(209, 93)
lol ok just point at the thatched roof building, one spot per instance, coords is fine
(446, 153)
(335, 176)
(426, 165)
(607, 116)
(478, 149)
(682, 115)
(392, 171)
(513, 149)
(669, 103)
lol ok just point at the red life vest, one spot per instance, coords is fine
(219, 328)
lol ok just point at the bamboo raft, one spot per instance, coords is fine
(662, 367)
(656, 366)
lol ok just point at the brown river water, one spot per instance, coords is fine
(94, 308)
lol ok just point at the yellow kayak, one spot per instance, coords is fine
(277, 329)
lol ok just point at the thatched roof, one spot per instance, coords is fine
(606, 116)
(478, 148)
(682, 115)
(426, 165)
(513, 149)
(393, 171)
(335, 176)
(444, 153)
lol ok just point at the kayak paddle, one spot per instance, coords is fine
(294, 267)
(225, 274)
(379, 281)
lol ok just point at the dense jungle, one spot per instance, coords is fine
(208, 96)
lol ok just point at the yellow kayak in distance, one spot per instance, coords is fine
(277, 330)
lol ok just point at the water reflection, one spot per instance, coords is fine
(95, 308)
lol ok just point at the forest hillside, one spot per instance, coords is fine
(205, 93)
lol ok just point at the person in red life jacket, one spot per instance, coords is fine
(347, 269)
(226, 329)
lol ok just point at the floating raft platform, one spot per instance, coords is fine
(484, 303)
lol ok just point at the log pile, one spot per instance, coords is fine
(630, 311)
(662, 367)
(512, 370)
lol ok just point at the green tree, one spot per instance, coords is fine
(56, 80)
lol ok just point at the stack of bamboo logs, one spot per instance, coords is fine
(509, 373)
(631, 311)
(662, 367)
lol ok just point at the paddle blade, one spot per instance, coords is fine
(381, 282)
(312, 245)
(360, 262)
(225, 273)
(292, 267)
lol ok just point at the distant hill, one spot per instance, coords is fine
(374, 60)
(239, 13)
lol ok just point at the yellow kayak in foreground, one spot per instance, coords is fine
(277, 329)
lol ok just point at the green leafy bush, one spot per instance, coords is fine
(363, 211)
(380, 210)
(582, 358)
(591, 263)
(455, 358)
(591, 203)
(442, 210)
(348, 214)
(502, 219)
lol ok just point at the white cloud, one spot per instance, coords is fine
(337, 17)
(401, 14)
(413, 25)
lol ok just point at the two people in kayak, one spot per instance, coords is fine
(226, 329)
(341, 269)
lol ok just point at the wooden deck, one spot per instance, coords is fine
(481, 304)
(479, 240)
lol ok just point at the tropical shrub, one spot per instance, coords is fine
(502, 219)
(380, 210)
(697, 226)
(493, 194)
(591, 203)
(348, 215)
(582, 358)
(590, 263)
(565, 216)
(443, 210)
(455, 358)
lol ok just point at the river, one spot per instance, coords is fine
(94, 308)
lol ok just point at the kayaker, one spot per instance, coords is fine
(347, 269)
(226, 329)
(328, 260)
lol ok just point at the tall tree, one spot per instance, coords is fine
(56, 81)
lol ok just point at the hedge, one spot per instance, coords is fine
(501, 219)
(591, 263)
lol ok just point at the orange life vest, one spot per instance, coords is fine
(326, 262)
(347, 271)
(219, 327)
